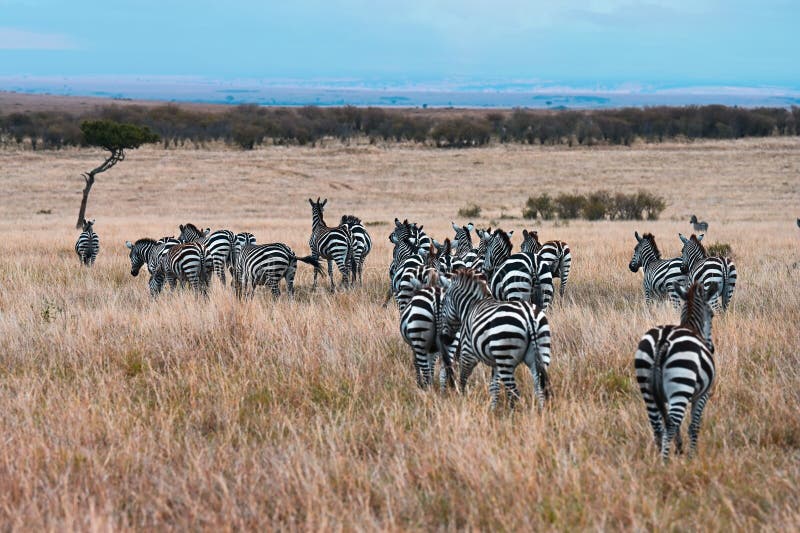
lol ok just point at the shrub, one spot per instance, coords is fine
(597, 205)
(470, 211)
(539, 206)
(569, 205)
(719, 249)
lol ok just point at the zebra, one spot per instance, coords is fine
(413, 264)
(191, 233)
(219, 245)
(362, 244)
(674, 366)
(474, 258)
(498, 249)
(524, 277)
(660, 275)
(443, 254)
(499, 334)
(185, 262)
(707, 270)
(697, 225)
(557, 253)
(88, 244)
(464, 238)
(240, 240)
(266, 264)
(421, 328)
(332, 244)
(414, 234)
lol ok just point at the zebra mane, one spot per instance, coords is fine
(350, 219)
(468, 278)
(651, 238)
(687, 311)
(699, 244)
(192, 227)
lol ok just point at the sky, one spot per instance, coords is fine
(561, 42)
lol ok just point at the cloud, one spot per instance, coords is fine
(16, 39)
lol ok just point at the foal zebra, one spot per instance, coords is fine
(499, 334)
(184, 262)
(707, 270)
(191, 233)
(362, 244)
(267, 264)
(88, 244)
(660, 275)
(674, 366)
(240, 240)
(332, 244)
(557, 253)
(415, 235)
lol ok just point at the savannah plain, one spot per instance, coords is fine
(124, 412)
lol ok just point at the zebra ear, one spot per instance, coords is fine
(456, 228)
(325, 201)
(396, 221)
(524, 234)
(206, 231)
(454, 243)
(636, 234)
(700, 237)
(510, 233)
(310, 201)
(180, 227)
(470, 226)
(129, 244)
(684, 240)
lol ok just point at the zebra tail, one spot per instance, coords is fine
(535, 349)
(313, 261)
(729, 282)
(657, 382)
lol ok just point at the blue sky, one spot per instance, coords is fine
(569, 42)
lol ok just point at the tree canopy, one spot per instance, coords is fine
(116, 137)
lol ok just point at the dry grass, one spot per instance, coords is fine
(121, 412)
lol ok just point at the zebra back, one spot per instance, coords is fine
(191, 233)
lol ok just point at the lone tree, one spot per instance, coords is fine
(116, 138)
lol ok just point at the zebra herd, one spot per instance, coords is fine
(467, 304)
(486, 304)
(196, 255)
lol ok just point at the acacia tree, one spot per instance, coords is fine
(116, 138)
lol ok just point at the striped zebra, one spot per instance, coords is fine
(464, 238)
(557, 253)
(473, 259)
(498, 249)
(145, 252)
(415, 235)
(707, 270)
(362, 244)
(191, 233)
(240, 240)
(421, 327)
(267, 264)
(88, 244)
(413, 264)
(524, 277)
(499, 334)
(331, 244)
(443, 255)
(185, 262)
(674, 366)
(219, 246)
(660, 275)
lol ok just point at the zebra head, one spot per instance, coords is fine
(139, 253)
(693, 219)
(696, 312)
(692, 251)
(530, 241)
(498, 249)
(462, 290)
(463, 237)
(191, 233)
(87, 225)
(644, 251)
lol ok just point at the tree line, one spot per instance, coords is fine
(248, 126)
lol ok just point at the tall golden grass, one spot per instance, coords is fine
(121, 412)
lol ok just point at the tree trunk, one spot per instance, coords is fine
(89, 182)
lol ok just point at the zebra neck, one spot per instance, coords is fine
(648, 257)
(318, 222)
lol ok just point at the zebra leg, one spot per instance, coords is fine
(467, 366)
(314, 285)
(494, 388)
(512, 392)
(330, 274)
(694, 426)
(675, 415)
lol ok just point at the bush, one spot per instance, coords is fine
(569, 205)
(719, 249)
(539, 206)
(597, 205)
(470, 211)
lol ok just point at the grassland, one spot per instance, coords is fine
(120, 412)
